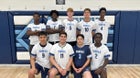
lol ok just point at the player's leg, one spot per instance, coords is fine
(53, 72)
(31, 73)
(93, 74)
(44, 72)
(86, 73)
(103, 74)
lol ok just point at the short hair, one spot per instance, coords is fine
(103, 8)
(36, 13)
(54, 11)
(80, 35)
(70, 10)
(42, 33)
(63, 32)
(87, 9)
(98, 34)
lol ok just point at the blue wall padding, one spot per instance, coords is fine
(128, 22)
(5, 42)
(137, 41)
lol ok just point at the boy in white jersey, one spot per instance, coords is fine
(86, 27)
(100, 55)
(33, 29)
(40, 57)
(70, 25)
(54, 27)
(102, 25)
(61, 56)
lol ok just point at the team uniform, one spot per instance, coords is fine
(102, 27)
(99, 54)
(70, 29)
(34, 38)
(86, 28)
(62, 55)
(53, 38)
(42, 58)
(80, 57)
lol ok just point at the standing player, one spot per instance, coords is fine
(40, 57)
(86, 27)
(70, 25)
(100, 55)
(102, 25)
(33, 29)
(61, 56)
(82, 58)
(54, 27)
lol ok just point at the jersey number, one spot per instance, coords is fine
(101, 28)
(86, 29)
(96, 55)
(70, 28)
(61, 55)
(80, 56)
(43, 55)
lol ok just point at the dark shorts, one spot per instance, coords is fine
(93, 74)
(79, 75)
(44, 71)
(66, 76)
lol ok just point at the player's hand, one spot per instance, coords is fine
(80, 70)
(34, 70)
(99, 70)
(60, 70)
(76, 70)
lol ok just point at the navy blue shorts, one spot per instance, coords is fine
(93, 74)
(79, 75)
(44, 71)
(66, 76)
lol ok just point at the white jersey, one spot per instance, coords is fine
(62, 54)
(70, 29)
(34, 38)
(99, 54)
(42, 54)
(54, 25)
(86, 28)
(102, 27)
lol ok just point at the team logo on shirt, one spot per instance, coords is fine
(96, 51)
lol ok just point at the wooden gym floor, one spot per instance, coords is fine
(113, 71)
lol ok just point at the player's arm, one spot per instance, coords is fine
(86, 63)
(32, 62)
(73, 66)
(60, 29)
(89, 56)
(78, 29)
(69, 63)
(30, 32)
(53, 62)
(93, 33)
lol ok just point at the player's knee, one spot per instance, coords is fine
(52, 73)
(87, 74)
(31, 72)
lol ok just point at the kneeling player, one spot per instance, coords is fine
(40, 57)
(81, 59)
(100, 55)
